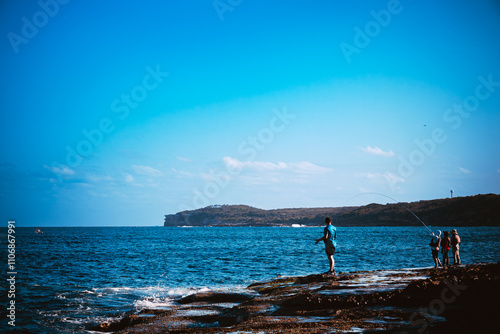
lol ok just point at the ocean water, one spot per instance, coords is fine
(69, 279)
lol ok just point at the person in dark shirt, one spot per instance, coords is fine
(445, 248)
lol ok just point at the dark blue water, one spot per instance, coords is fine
(69, 279)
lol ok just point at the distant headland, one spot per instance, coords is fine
(478, 210)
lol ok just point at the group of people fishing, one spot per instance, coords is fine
(446, 243)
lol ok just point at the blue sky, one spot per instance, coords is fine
(119, 113)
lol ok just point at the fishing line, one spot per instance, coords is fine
(397, 202)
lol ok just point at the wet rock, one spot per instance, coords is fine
(127, 321)
(214, 297)
(275, 282)
(233, 316)
(423, 300)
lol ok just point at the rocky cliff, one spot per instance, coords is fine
(479, 210)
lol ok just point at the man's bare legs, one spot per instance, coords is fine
(456, 256)
(332, 263)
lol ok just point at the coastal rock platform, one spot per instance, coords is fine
(457, 299)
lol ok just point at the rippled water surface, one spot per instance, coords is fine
(72, 278)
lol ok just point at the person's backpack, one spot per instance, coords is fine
(435, 241)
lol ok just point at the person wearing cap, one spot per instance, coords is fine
(455, 245)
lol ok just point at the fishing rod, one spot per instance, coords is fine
(397, 202)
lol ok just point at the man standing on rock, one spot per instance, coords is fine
(330, 239)
(455, 244)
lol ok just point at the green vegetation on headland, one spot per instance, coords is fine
(478, 210)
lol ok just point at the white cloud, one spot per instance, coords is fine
(387, 177)
(181, 173)
(96, 178)
(393, 179)
(371, 176)
(146, 170)
(183, 159)
(363, 190)
(303, 167)
(465, 171)
(308, 168)
(128, 178)
(97, 194)
(207, 177)
(377, 151)
(266, 173)
(63, 170)
(253, 165)
(186, 174)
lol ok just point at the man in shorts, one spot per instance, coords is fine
(455, 245)
(330, 239)
(435, 243)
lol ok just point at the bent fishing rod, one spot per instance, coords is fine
(397, 202)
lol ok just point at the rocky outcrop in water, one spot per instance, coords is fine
(462, 299)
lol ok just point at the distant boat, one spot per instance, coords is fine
(38, 231)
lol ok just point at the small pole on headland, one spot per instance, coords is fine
(451, 192)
